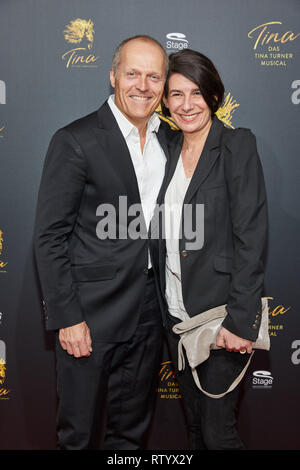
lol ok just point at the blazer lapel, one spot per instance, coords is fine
(210, 153)
(114, 145)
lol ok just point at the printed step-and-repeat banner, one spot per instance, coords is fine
(55, 58)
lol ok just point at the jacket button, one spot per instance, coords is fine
(146, 271)
(184, 254)
(254, 326)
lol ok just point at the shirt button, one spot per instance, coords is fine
(184, 254)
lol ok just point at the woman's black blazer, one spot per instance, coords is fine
(228, 268)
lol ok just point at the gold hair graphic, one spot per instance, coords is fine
(3, 391)
(75, 33)
(2, 370)
(77, 29)
(2, 263)
(226, 110)
(224, 113)
(167, 119)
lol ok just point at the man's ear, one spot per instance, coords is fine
(112, 78)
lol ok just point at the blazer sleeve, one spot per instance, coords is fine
(248, 207)
(62, 184)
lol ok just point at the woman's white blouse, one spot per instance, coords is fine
(173, 203)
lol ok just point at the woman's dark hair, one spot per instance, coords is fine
(199, 69)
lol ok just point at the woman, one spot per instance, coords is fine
(218, 168)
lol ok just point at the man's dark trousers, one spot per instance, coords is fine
(125, 373)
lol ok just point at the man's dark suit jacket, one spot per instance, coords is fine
(228, 269)
(84, 278)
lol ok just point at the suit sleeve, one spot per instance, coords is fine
(62, 184)
(248, 207)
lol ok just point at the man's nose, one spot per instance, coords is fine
(142, 84)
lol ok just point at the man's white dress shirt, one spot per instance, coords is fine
(149, 165)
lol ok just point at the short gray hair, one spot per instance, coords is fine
(143, 37)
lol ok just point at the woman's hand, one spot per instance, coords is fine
(231, 342)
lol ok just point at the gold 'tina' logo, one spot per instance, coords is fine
(79, 32)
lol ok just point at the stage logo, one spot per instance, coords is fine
(224, 112)
(262, 379)
(273, 44)
(276, 319)
(80, 33)
(176, 42)
(3, 264)
(4, 392)
(2, 92)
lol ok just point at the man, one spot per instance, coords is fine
(98, 287)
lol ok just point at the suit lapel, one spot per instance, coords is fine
(172, 148)
(114, 145)
(161, 137)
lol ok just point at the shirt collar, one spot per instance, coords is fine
(126, 126)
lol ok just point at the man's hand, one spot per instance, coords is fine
(231, 342)
(76, 340)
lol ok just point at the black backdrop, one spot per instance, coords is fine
(47, 81)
